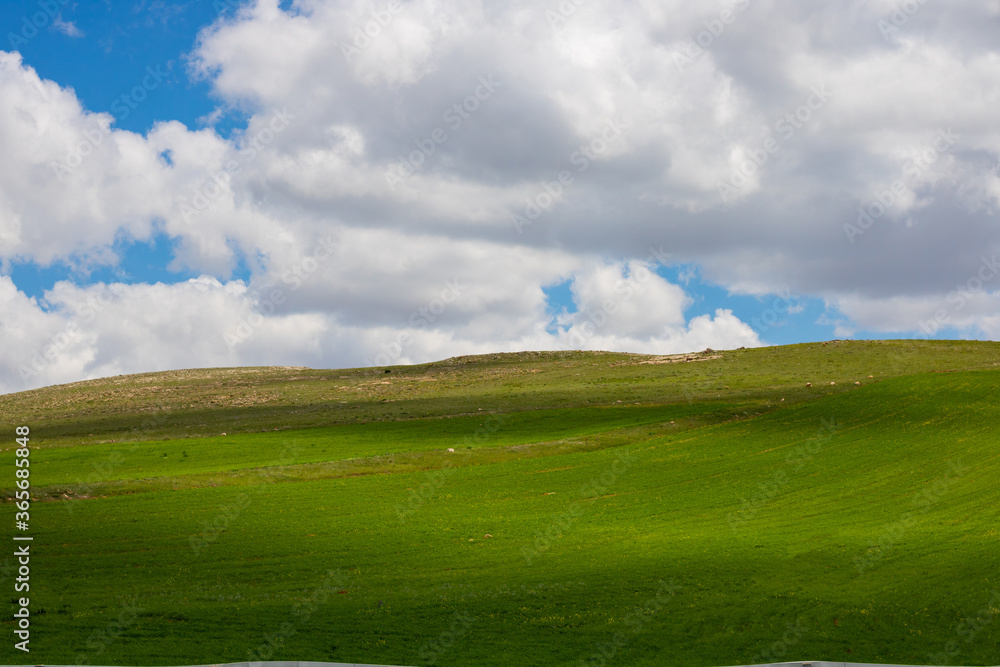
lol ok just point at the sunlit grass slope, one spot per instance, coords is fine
(846, 522)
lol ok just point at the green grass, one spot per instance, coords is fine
(865, 516)
(174, 458)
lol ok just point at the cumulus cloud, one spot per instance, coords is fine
(108, 329)
(840, 151)
(70, 183)
(629, 306)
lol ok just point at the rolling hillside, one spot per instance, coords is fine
(531, 508)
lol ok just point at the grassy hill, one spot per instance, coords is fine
(597, 508)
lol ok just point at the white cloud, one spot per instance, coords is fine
(335, 109)
(628, 307)
(67, 28)
(103, 330)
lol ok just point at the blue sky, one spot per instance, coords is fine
(779, 319)
(109, 51)
(104, 51)
(113, 52)
(337, 173)
(117, 45)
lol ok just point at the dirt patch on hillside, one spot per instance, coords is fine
(673, 359)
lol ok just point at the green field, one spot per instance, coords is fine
(596, 509)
